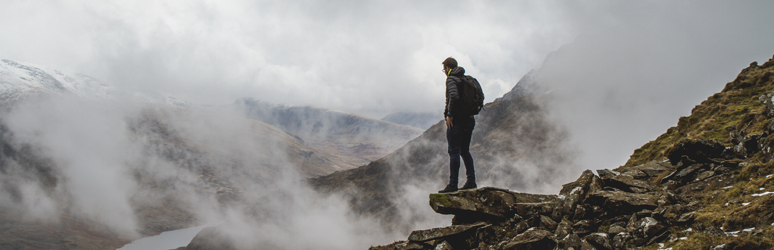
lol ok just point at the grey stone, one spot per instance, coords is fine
(618, 202)
(443, 246)
(620, 239)
(547, 223)
(532, 239)
(628, 183)
(533, 209)
(686, 217)
(563, 229)
(494, 202)
(442, 232)
(615, 229)
(607, 173)
(599, 241)
(584, 227)
(652, 169)
(574, 192)
(650, 226)
(572, 241)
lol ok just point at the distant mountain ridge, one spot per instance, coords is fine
(423, 120)
(357, 138)
(19, 81)
(228, 163)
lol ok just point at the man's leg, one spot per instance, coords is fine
(467, 158)
(453, 138)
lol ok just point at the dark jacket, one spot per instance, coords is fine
(453, 105)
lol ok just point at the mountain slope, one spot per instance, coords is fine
(738, 123)
(707, 183)
(358, 140)
(414, 119)
(514, 145)
(203, 168)
(19, 81)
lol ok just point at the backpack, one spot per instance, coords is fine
(471, 95)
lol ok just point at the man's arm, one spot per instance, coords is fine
(452, 96)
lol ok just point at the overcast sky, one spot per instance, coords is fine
(634, 67)
(367, 57)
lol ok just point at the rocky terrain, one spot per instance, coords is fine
(707, 183)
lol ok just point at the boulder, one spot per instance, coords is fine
(584, 227)
(599, 240)
(636, 174)
(442, 232)
(686, 173)
(616, 229)
(443, 246)
(607, 173)
(571, 241)
(400, 245)
(652, 169)
(574, 192)
(618, 202)
(547, 223)
(620, 239)
(563, 229)
(650, 227)
(535, 209)
(628, 183)
(699, 150)
(485, 202)
(532, 239)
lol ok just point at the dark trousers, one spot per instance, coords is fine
(459, 145)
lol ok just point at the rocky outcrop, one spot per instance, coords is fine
(615, 209)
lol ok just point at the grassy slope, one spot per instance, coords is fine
(736, 109)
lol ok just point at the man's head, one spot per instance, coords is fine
(449, 63)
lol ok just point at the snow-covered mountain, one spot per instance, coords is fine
(19, 81)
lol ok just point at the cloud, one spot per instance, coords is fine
(371, 58)
(627, 72)
(638, 67)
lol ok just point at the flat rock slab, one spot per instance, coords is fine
(489, 201)
(628, 183)
(533, 238)
(622, 202)
(652, 169)
(442, 232)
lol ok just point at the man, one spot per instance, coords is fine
(459, 128)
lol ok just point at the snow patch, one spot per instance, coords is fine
(764, 193)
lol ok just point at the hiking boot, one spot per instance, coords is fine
(469, 185)
(449, 188)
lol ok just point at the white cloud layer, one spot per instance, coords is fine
(371, 58)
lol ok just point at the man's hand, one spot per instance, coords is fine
(449, 124)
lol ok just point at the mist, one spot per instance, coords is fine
(115, 163)
(638, 67)
(617, 74)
